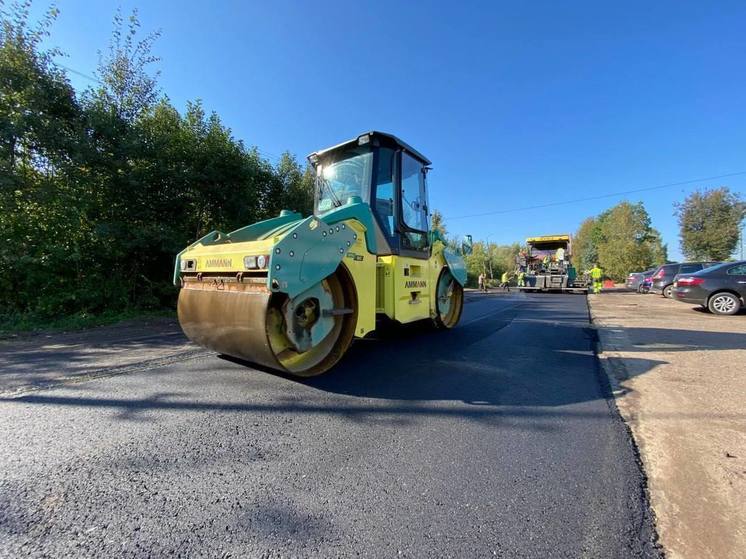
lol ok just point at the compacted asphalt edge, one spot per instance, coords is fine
(647, 525)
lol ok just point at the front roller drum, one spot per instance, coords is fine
(303, 336)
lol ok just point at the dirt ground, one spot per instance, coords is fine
(43, 360)
(679, 376)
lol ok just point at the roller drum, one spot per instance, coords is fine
(232, 322)
(304, 336)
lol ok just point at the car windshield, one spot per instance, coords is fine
(341, 175)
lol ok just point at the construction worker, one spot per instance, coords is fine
(560, 254)
(547, 260)
(521, 278)
(505, 281)
(482, 286)
(597, 275)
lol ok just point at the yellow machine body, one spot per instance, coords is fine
(290, 293)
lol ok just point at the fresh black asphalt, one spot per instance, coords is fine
(494, 439)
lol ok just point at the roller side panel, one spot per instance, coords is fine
(308, 253)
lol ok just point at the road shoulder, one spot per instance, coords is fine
(677, 377)
(46, 360)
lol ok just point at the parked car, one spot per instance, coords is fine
(645, 285)
(664, 275)
(721, 288)
(635, 279)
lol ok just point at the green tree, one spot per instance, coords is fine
(477, 262)
(621, 240)
(585, 245)
(437, 223)
(297, 185)
(710, 223)
(126, 84)
(626, 241)
(40, 219)
(100, 189)
(491, 259)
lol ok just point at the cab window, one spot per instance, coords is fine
(413, 193)
(384, 202)
(342, 175)
(413, 203)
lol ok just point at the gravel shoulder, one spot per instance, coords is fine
(679, 378)
(46, 360)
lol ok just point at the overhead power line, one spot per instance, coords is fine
(599, 197)
(81, 74)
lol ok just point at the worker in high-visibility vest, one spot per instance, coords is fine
(521, 278)
(505, 281)
(597, 275)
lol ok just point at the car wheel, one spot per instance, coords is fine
(724, 303)
(668, 291)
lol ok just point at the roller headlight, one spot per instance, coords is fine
(262, 261)
(249, 262)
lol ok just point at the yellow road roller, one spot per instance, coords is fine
(290, 293)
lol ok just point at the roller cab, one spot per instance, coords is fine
(291, 293)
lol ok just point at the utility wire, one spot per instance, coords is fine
(621, 193)
(81, 74)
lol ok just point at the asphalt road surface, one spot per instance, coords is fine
(494, 439)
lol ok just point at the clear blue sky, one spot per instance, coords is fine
(516, 103)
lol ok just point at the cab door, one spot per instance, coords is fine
(412, 275)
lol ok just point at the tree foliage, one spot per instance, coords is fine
(491, 259)
(710, 224)
(621, 240)
(437, 223)
(127, 86)
(100, 189)
(585, 244)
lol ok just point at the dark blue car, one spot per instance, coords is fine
(721, 288)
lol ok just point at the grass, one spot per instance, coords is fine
(12, 325)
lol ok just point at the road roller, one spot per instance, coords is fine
(291, 293)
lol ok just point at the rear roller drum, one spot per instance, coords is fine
(449, 300)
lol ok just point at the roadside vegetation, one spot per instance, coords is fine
(486, 258)
(710, 223)
(100, 189)
(13, 325)
(620, 240)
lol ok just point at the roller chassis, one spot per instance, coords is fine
(276, 315)
(291, 293)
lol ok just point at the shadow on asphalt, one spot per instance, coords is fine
(477, 371)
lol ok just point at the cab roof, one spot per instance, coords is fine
(375, 138)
